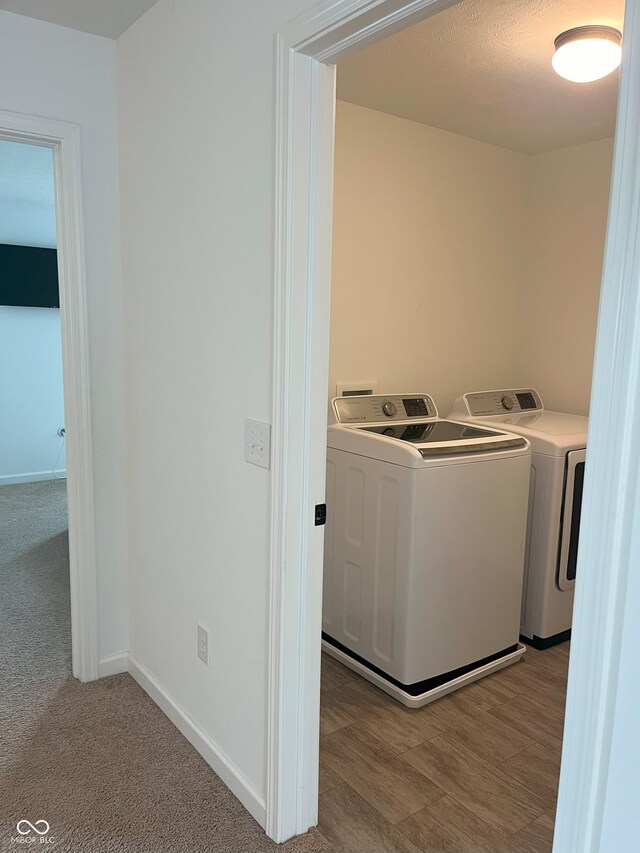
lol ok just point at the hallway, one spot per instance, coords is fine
(100, 762)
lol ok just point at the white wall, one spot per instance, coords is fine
(560, 293)
(25, 223)
(427, 249)
(197, 154)
(71, 76)
(30, 356)
(32, 406)
(459, 266)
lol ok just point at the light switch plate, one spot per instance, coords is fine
(257, 443)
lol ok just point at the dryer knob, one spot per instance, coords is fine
(507, 403)
(390, 409)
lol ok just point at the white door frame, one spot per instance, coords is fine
(64, 140)
(304, 175)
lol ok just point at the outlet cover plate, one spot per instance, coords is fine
(257, 443)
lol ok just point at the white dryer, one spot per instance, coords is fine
(558, 444)
(424, 545)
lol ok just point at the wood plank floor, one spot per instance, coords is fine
(475, 772)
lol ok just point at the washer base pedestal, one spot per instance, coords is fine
(422, 699)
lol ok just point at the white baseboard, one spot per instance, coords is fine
(32, 477)
(113, 665)
(223, 766)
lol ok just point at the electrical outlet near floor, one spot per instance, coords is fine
(203, 644)
(257, 443)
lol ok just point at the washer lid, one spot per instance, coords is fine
(438, 439)
(433, 431)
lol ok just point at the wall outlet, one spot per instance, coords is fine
(257, 443)
(203, 644)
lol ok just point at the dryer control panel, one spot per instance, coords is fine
(381, 408)
(509, 401)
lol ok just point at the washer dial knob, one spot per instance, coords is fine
(507, 403)
(390, 409)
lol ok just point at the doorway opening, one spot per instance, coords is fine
(57, 144)
(306, 106)
(471, 191)
(33, 502)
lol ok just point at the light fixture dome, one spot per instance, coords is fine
(584, 54)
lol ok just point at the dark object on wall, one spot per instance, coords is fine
(29, 276)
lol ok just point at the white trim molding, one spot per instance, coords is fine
(113, 665)
(610, 517)
(215, 757)
(305, 104)
(33, 477)
(64, 139)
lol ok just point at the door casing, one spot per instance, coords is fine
(65, 141)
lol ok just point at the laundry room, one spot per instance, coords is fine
(471, 193)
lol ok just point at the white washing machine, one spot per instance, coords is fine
(558, 444)
(424, 545)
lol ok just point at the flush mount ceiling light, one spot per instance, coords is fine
(584, 54)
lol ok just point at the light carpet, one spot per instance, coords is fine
(99, 762)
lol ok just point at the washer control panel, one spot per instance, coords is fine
(383, 407)
(505, 402)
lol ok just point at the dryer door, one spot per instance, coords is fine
(571, 507)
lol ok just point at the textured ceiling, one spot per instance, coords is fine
(26, 173)
(482, 68)
(108, 18)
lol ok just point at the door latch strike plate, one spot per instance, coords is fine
(321, 514)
